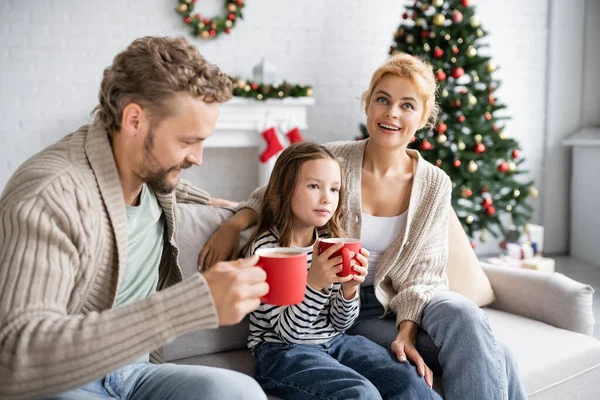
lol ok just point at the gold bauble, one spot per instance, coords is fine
(182, 8)
(247, 88)
(419, 22)
(259, 96)
(231, 7)
(309, 92)
(205, 34)
(453, 60)
(533, 192)
(228, 24)
(472, 167)
(445, 93)
(439, 19)
(476, 78)
(241, 83)
(483, 236)
(426, 47)
(453, 183)
(471, 51)
(478, 138)
(469, 220)
(502, 135)
(490, 67)
(441, 139)
(509, 208)
(280, 93)
(437, 3)
(410, 38)
(516, 193)
(447, 36)
(472, 100)
(461, 145)
(432, 35)
(200, 25)
(474, 22)
(479, 33)
(512, 167)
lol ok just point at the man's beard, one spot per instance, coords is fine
(157, 178)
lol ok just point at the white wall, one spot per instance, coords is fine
(52, 54)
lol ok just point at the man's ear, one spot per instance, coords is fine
(133, 119)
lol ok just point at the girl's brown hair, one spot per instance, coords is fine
(276, 207)
(150, 72)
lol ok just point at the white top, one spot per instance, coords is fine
(376, 235)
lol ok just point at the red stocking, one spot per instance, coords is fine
(274, 146)
(294, 136)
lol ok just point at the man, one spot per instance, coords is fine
(89, 280)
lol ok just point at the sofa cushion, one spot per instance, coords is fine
(465, 275)
(552, 361)
(195, 225)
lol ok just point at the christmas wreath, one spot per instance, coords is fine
(210, 27)
(263, 91)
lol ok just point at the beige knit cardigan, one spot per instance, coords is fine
(63, 249)
(413, 268)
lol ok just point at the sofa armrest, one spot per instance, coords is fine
(547, 297)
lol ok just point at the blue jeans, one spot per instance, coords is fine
(145, 381)
(347, 367)
(455, 341)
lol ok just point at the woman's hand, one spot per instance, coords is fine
(223, 245)
(349, 288)
(404, 348)
(323, 271)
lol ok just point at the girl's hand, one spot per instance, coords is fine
(323, 271)
(349, 288)
(404, 348)
(222, 246)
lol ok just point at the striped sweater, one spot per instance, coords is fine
(63, 242)
(413, 268)
(321, 316)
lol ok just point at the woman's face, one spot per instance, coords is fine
(395, 111)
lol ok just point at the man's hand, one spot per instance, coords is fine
(215, 201)
(236, 288)
(404, 348)
(349, 288)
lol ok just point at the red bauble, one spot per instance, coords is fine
(473, 245)
(479, 148)
(464, 3)
(467, 193)
(495, 128)
(231, 17)
(212, 32)
(457, 16)
(438, 53)
(463, 91)
(254, 86)
(187, 20)
(503, 244)
(488, 116)
(484, 190)
(206, 21)
(424, 34)
(239, 2)
(490, 211)
(405, 16)
(197, 16)
(425, 145)
(456, 163)
(442, 127)
(455, 50)
(492, 100)
(503, 167)
(515, 153)
(487, 202)
(227, 31)
(438, 163)
(457, 72)
(461, 118)
(440, 76)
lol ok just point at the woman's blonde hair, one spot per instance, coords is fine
(150, 72)
(276, 207)
(420, 72)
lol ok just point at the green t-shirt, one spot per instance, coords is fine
(145, 225)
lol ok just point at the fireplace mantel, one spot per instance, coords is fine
(241, 122)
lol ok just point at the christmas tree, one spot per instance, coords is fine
(469, 142)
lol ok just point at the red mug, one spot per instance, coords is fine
(349, 245)
(287, 271)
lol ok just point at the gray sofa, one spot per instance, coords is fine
(545, 319)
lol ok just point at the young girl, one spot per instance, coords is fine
(301, 350)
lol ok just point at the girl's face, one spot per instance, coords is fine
(317, 193)
(394, 112)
